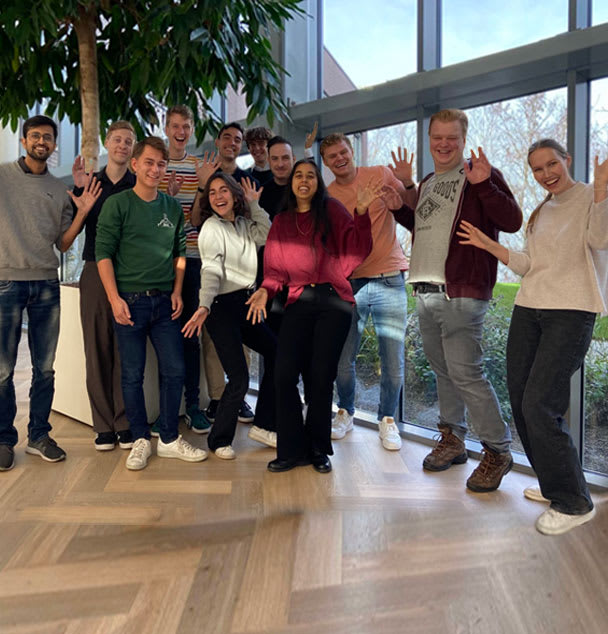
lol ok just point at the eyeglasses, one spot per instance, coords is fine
(36, 136)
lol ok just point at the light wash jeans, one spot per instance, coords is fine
(40, 298)
(451, 339)
(385, 299)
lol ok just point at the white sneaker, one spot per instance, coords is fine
(389, 434)
(180, 449)
(534, 494)
(139, 454)
(341, 425)
(552, 522)
(225, 453)
(266, 437)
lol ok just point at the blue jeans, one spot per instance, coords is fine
(40, 298)
(385, 299)
(544, 349)
(451, 337)
(152, 318)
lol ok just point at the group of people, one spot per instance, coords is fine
(176, 246)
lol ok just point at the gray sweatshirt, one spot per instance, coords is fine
(35, 211)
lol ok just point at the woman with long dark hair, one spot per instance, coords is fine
(312, 248)
(228, 242)
(564, 269)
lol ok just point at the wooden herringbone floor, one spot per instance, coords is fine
(377, 546)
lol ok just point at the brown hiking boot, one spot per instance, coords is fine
(490, 471)
(449, 450)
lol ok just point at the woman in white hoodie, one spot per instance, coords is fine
(234, 226)
(564, 269)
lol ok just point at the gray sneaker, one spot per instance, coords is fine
(7, 457)
(46, 448)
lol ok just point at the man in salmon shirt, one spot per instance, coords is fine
(377, 284)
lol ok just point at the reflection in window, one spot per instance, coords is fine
(595, 454)
(503, 27)
(363, 47)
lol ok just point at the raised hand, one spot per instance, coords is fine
(480, 168)
(311, 136)
(207, 167)
(195, 324)
(368, 194)
(92, 190)
(250, 190)
(402, 168)
(600, 180)
(470, 234)
(174, 184)
(391, 197)
(79, 174)
(257, 306)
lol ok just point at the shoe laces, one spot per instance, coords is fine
(139, 448)
(184, 447)
(488, 461)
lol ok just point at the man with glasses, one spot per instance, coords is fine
(35, 216)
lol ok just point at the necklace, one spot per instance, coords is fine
(304, 233)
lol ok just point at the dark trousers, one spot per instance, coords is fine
(229, 329)
(151, 316)
(312, 335)
(101, 354)
(544, 349)
(192, 345)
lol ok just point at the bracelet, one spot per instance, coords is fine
(201, 189)
(410, 186)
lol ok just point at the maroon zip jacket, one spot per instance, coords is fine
(491, 207)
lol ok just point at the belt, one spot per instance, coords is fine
(153, 292)
(424, 287)
(387, 274)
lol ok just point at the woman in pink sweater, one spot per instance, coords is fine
(312, 248)
(564, 269)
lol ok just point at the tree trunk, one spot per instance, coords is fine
(85, 27)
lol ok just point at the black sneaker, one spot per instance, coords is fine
(46, 448)
(211, 410)
(105, 441)
(246, 414)
(7, 457)
(125, 439)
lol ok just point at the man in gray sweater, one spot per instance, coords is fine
(35, 216)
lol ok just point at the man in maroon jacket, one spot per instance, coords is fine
(453, 284)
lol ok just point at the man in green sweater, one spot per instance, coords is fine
(35, 216)
(140, 252)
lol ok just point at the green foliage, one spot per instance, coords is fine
(149, 51)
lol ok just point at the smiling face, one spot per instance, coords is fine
(304, 185)
(119, 144)
(178, 130)
(229, 144)
(280, 160)
(258, 151)
(447, 141)
(221, 199)
(550, 170)
(149, 167)
(340, 160)
(39, 143)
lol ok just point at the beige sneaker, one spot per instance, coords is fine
(264, 436)
(225, 453)
(180, 449)
(389, 434)
(552, 522)
(448, 450)
(139, 454)
(341, 425)
(534, 494)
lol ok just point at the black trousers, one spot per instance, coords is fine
(544, 350)
(312, 335)
(229, 329)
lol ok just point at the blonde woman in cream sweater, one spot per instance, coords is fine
(564, 269)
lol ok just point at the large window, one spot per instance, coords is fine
(367, 43)
(599, 12)
(471, 29)
(595, 436)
